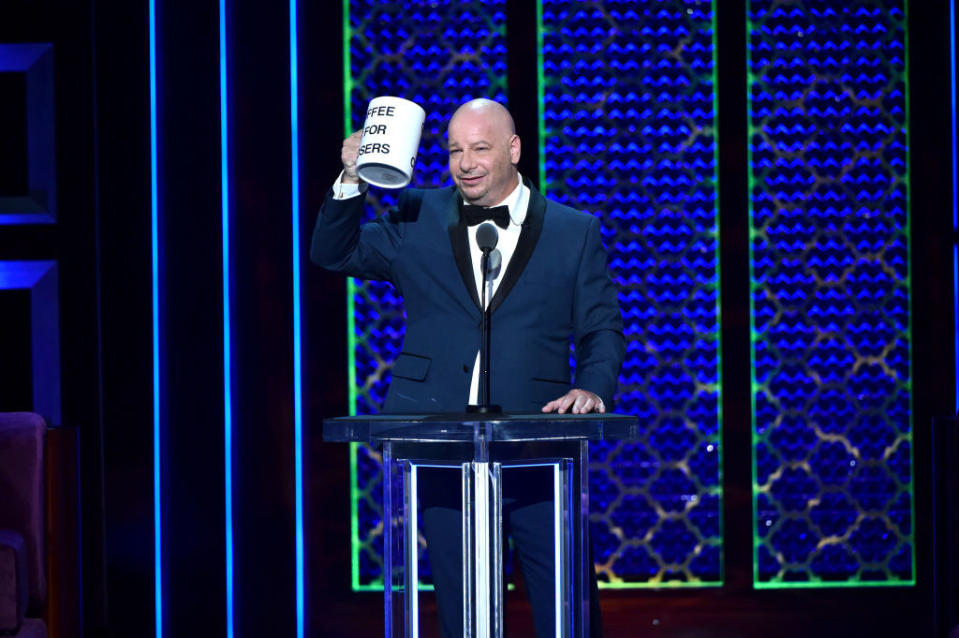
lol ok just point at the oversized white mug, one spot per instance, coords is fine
(391, 139)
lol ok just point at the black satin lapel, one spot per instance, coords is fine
(459, 241)
(525, 246)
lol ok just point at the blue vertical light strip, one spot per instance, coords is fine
(155, 286)
(297, 318)
(955, 202)
(227, 345)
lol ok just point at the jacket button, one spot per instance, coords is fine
(465, 369)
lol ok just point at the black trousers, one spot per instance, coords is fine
(527, 517)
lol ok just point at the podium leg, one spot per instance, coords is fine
(483, 517)
(467, 535)
(400, 542)
(580, 527)
(481, 545)
(388, 540)
(564, 558)
(499, 603)
(411, 550)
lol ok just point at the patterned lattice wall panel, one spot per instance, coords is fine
(629, 119)
(438, 54)
(833, 486)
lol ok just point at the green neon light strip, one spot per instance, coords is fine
(669, 584)
(753, 336)
(541, 96)
(908, 233)
(719, 307)
(355, 523)
(350, 283)
(845, 584)
(347, 74)
(351, 326)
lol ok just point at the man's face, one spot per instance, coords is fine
(483, 154)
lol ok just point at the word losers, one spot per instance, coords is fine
(375, 147)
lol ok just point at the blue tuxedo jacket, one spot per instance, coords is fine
(556, 287)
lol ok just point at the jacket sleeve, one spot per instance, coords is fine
(342, 244)
(597, 321)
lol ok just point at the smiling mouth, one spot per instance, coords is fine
(471, 179)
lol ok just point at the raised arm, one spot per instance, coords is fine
(340, 242)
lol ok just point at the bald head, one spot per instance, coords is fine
(484, 151)
(494, 112)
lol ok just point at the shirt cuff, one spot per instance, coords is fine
(346, 191)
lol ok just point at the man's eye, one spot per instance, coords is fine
(453, 151)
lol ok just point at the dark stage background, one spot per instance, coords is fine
(738, 180)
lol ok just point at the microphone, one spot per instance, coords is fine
(486, 238)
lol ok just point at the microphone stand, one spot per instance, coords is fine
(486, 243)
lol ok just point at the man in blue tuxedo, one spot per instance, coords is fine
(553, 285)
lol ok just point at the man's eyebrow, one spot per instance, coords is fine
(472, 144)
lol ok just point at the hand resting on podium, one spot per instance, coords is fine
(576, 401)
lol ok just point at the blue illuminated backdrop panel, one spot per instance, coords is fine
(438, 54)
(40, 280)
(831, 341)
(630, 136)
(36, 202)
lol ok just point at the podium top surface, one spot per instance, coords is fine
(491, 427)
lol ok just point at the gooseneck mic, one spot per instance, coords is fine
(486, 238)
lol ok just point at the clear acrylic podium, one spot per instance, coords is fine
(478, 447)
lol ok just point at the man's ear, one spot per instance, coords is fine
(514, 149)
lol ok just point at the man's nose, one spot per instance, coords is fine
(466, 161)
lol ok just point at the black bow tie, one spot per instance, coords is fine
(477, 215)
